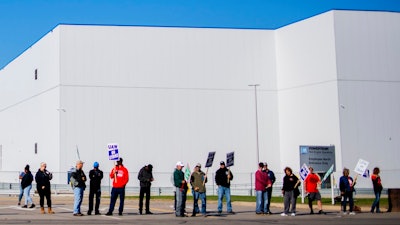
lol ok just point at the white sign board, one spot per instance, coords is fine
(304, 171)
(361, 167)
(113, 153)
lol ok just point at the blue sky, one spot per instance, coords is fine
(23, 22)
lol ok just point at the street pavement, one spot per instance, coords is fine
(10, 213)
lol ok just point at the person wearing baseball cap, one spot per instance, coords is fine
(95, 176)
(223, 176)
(198, 180)
(120, 177)
(181, 188)
(78, 179)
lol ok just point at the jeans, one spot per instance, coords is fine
(261, 201)
(224, 191)
(28, 199)
(196, 197)
(144, 191)
(289, 200)
(180, 201)
(78, 197)
(92, 193)
(114, 195)
(375, 204)
(21, 193)
(348, 195)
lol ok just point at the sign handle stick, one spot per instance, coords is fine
(229, 173)
(332, 190)
(204, 181)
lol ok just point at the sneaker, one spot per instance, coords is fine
(259, 213)
(344, 213)
(283, 214)
(32, 206)
(312, 212)
(352, 213)
(97, 213)
(89, 213)
(109, 214)
(120, 213)
(19, 203)
(25, 206)
(219, 212)
(321, 212)
(231, 212)
(78, 214)
(149, 213)
(293, 214)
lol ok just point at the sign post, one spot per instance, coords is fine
(230, 160)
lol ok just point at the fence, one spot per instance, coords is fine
(242, 184)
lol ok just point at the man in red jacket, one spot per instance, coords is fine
(120, 176)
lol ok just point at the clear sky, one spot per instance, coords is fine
(23, 22)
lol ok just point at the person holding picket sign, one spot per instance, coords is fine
(311, 183)
(346, 185)
(223, 176)
(120, 177)
(197, 181)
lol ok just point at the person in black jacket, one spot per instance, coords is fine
(26, 184)
(290, 191)
(78, 179)
(95, 176)
(43, 178)
(223, 178)
(145, 177)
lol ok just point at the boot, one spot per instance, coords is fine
(50, 211)
(42, 210)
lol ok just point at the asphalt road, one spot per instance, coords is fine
(10, 213)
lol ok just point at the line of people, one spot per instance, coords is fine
(264, 180)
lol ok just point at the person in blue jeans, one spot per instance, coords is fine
(346, 185)
(223, 178)
(21, 190)
(78, 179)
(376, 182)
(198, 179)
(26, 184)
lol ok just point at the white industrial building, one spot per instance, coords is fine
(168, 94)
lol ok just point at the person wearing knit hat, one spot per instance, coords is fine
(95, 176)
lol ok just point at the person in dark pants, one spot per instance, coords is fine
(272, 178)
(346, 185)
(120, 176)
(95, 176)
(145, 177)
(43, 178)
